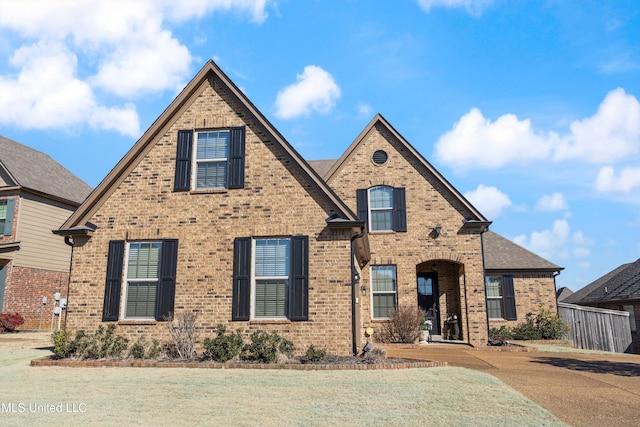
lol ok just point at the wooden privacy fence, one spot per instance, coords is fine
(597, 328)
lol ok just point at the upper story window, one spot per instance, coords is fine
(212, 149)
(6, 217)
(383, 208)
(215, 160)
(380, 208)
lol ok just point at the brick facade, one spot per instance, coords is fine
(456, 253)
(24, 290)
(277, 201)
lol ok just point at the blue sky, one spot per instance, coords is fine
(529, 108)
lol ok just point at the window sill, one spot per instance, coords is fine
(137, 322)
(269, 321)
(382, 232)
(210, 191)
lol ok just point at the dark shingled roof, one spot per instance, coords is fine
(321, 166)
(621, 284)
(34, 170)
(503, 254)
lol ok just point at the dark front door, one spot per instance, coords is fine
(428, 299)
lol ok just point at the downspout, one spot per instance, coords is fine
(484, 283)
(68, 241)
(354, 282)
(556, 274)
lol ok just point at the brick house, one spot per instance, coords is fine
(37, 194)
(617, 290)
(212, 211)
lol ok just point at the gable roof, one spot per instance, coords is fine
(620, 284)
(502, 254)
(563, 293)
(38, 172)
(378, 119)
(210, 71)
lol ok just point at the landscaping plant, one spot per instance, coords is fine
(268, 347)
(403, 326)
(184, 335)
(10, 321)
(224, 346)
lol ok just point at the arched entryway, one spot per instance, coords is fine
(438, 288)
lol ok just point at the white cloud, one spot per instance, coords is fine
(552, 202)
(474, 7)
(55, 99)
(557, 243)
(627, 180)
(488, 200)
(315, 90)
(611, 134)
(364, 110)
(477, 142)
(126, 50)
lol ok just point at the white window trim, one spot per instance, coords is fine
(125, 282)
(253, 278)
(370, 209)
(195, 161)
(500, 298)
(394, 293)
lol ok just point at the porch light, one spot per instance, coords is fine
(437, 230)
(363, 289)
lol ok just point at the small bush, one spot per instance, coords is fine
(10, 321)
(525, 331)
(403, 326)
(184, 335)
(268, 347)
(143, 349)
(501, 334)
(223, 347)
(545, 325)
(550, 325)
(62, 343)
(102, 344)
(313, 355)
(376, 355)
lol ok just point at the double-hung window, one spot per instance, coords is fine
(6, 217)
(143, 272)
(270, 278)
(500, 297)
(383, 208)
(210, 159)
(383, 289)
(212, 150)
(143, 276)
(272, 263)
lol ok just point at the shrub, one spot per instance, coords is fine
(62, 343)
(313, 355)
(10, 321)
(525, 331)
(223, 347)
(550, 325)
(268, 347)
(143, 349)
(403, 326)
(376, 355)
(501, 334)
(545, 325)
(184, 335)
(102, 344)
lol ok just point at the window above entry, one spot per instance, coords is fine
(213, 160)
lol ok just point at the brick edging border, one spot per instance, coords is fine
(49, 361)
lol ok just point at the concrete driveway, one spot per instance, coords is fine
(580, 389)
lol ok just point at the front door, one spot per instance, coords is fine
(428, 299)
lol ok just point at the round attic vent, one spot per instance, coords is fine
(380, 157)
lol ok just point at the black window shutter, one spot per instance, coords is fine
(182, 181)
(299, 279)
(509, 298)
(235, 165)
(166, 291)
(241, 300)
(8, 222)
(399, 210)
(114, 281)
(362, 204)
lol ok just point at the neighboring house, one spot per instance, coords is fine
(37, 195)
(563, 293)
(212, 211)
(616, 290)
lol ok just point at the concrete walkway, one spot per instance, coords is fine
(580, 389)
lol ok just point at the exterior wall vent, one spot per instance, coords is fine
(380, 157)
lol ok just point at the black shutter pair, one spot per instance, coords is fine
(298, 279)
(399, 208)
(235, 161)
(509, 298)
(165, 293)
(8, 219)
